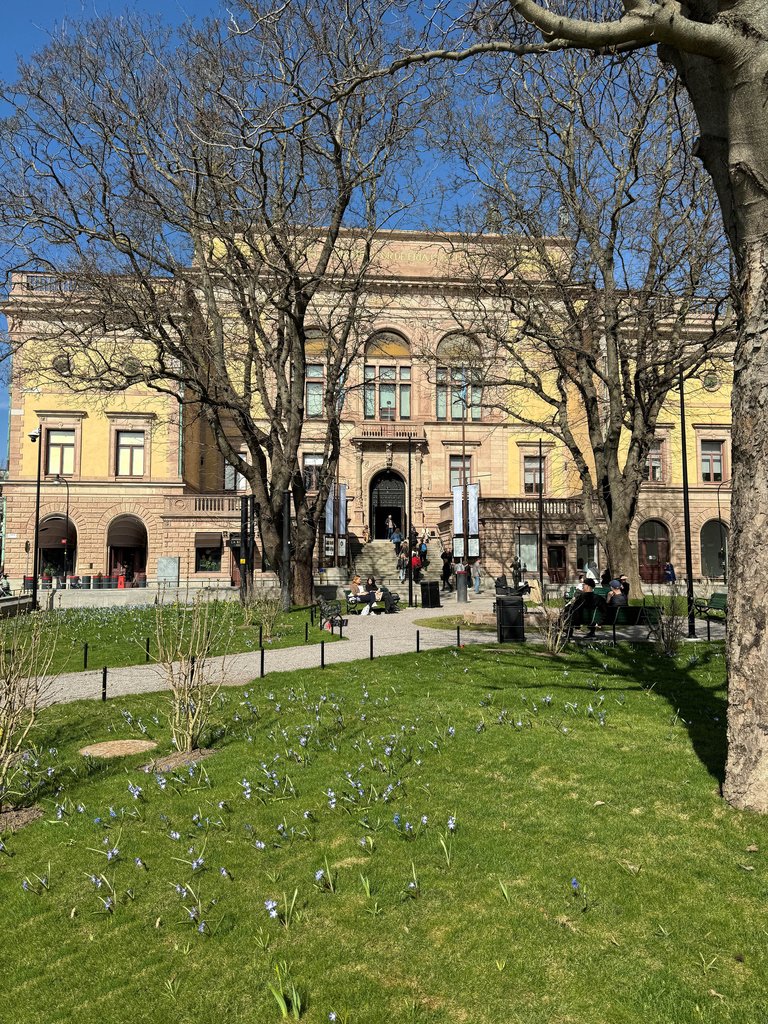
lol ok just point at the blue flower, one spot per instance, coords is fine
(575, 885)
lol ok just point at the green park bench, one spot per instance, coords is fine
(713, 609)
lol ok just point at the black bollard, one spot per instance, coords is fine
(458, 636)
(418, 642)
(322, 654)
(146, 650)
(85, 656)
(371, 646)
(261, 664)
(104, 683)
(306, 632)
(260, 636)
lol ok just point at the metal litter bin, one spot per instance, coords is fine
(510, 622)
(430, 594)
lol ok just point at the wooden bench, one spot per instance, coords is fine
(713, 608)
(634, 615)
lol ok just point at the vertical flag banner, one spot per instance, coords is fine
(473, 500)
(458, 518)
(329, 509)
(342, 508)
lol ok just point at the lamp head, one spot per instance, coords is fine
(34, 435)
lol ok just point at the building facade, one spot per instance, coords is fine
(133, 485)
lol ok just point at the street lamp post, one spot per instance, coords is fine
(687, 520)
(63, 480)
(541, 521)
(36, 437)
(723, 553)
(410, 525)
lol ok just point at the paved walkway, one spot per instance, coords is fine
(392, 634)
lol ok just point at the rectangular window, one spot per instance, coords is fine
(233, 481)
(130, 453)
(711, 461)
(654, 467)
(315, 370)
(456, 464)
(312, 465)
(405, 401)
(458, 395)
(369, 393)
(531, 473)
(207, 559)
(529, 547)
(442, 394)
(314, 404)
(60, 457)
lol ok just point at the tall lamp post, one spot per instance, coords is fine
(410, 524)
(723, 553)
(687, 520)
(63, 480)
(541, 521)
(36, 438)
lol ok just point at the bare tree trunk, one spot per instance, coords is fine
(746, 779)
(622, 558)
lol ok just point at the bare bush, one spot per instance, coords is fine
(186, 636)
(263, 608)
(553, 628)
(26, 650)
(670, 620)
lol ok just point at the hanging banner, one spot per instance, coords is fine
(458, 518)
(473, 499)
(342, 509)
(329, 509)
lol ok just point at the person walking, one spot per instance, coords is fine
(477, 570)
(446, 572)
(389, 523)
(669, 573)
(402, 566)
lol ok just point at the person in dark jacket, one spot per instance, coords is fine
(582, 609)
(624, 584)
(669, 573)
(446, 571)
(617, 598)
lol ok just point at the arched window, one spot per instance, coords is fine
(387, 377)
(714, 549)
(459, 391)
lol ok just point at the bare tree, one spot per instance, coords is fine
(206, 203)
(597, 287)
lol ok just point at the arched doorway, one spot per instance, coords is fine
(653, 550)
(714, 549)
(387, 499)
(127, 547)
(58, 546)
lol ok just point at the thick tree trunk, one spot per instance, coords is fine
(746, 780)
(621, 556)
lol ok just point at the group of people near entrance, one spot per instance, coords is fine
(585, 602)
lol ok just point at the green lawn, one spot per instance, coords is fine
(594, 874)
(118, 636)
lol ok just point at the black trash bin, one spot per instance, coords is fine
(510, 624)
(430, 594)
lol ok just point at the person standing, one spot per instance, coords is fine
(389, 523)
(669, 573)
(446, 571)
(477, 570)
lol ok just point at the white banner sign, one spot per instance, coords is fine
(329, 510)
(458, 517)
(342, 509)
(473, 499)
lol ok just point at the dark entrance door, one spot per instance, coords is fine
(653, 550)
(556, 562)
(387, 499)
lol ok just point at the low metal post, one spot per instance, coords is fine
(322, 654)
(341, 628)
(306, 632)
(85, 656)
(371, 647)
(458, 636)
(104, 683)
(261, 663)
(261, 629)
(146, 650)
(418, 641)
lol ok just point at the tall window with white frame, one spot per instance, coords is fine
(130, 453)
(312, 464)
(387, 377)
(460, 470)
(60, 453)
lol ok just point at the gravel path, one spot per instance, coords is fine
(392, 634)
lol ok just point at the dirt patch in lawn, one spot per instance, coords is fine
(118, 748)
(172, 761)
(13, 820)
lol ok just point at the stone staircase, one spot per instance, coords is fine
(378, 559)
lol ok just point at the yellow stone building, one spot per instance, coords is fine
(133, 486)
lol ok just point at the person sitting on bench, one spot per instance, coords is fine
(617, 598)
(582, 609)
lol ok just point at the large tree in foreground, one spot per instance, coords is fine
(719, 51)
(191, 196)
(596, 287)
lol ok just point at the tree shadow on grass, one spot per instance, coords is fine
(700, 708)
